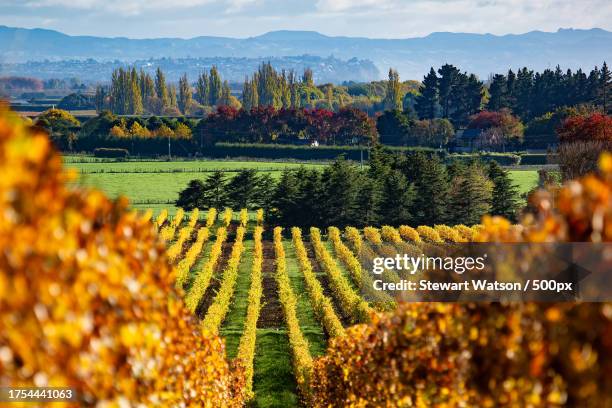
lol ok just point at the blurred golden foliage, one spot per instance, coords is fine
(86, 293)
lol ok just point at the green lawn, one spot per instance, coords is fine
(139, 181)
(524, 179)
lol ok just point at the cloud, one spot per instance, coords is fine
(366, 18)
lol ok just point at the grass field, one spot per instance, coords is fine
(154, 184)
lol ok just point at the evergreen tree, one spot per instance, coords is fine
(264, 192)
(215, 86)
(215, 195)
(605, 88)
(241, 189)
(161, 88)
(192, 196)
(368, 201)
(446, 86)
(505, 194)
(285, 209)
(432, 188)
(339, 204)
(428, 101)
(393, 97)
(498, 93)
(470, 196)
(396, 199)
(184, 97)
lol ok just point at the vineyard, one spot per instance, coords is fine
(218, 308)
(279, 296)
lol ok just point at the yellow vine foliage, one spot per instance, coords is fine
(218, 309)
(202, 279)
(86, 294)
(246, 348)
(409, 234)
(466, 232)
(148, 215)
(488, 354)
(259, 216)
(449, 234)
(321, 304)
(227, 217)
(354, 237)
(372, 235)
(211, 217)
(390, 234)
(351, 303)
(175, 250)
(244, 217)
(429, 234)
(161, 218)
(194, 217)
(302, 360)
(178, 217)
(185, 264)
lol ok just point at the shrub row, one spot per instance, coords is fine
(449, 234)
(176, 248)
(429, 234)
(350, 301)
(354, 237)
(244, 217)
(302, 360)
(259, 216)
(194, 217)
(322, 305)
(390, 234)
(246, 348)
(409, 234)
(466, 232)
(227, 217)
(202, 279)
(220, 306)
(111, 152)
(167, 232)
(372, 235)
(185, 264)
(211, 217)
(362, 279)
(161, 218)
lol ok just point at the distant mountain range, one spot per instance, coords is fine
(479, 53)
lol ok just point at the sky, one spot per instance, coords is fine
(245, 18)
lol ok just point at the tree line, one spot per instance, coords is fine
(408, 188)
(455, 95)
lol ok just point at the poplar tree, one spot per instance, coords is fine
(393, 97)
(203, 89)
(215, 86)
(184, 97)
(161, 88)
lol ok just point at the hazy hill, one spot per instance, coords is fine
(479, 53)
